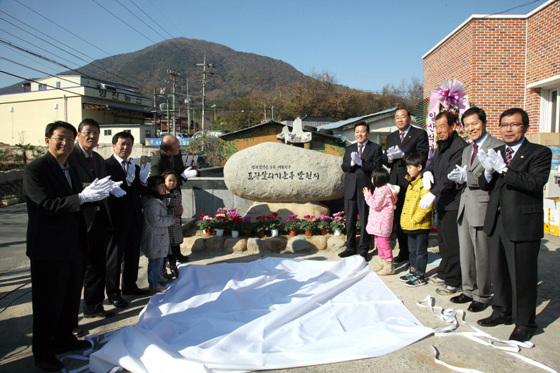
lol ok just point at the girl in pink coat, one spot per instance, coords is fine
(380, 221)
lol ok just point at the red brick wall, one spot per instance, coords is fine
(496, 58)
(543, 54)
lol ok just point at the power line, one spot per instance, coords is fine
(91, 58)
(35, 81)
(120, 19)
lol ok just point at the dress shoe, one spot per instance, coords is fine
(366, 256)
(434, 280)
(521, 334)
(135, 291)
(477, 306)
(79, 332)
(495, 319)
(100, 314)
(118, 302)
(49, 364)
(462, 298)
(75, 345)
(346, 253)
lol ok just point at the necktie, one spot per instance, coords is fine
(66, 170)
(402, 137)
(125, 166)
(360, 150)
(474, 153)
(90, 161)
(509, 155)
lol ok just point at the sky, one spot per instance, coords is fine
(364, 44)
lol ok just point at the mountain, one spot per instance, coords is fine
(235, 73)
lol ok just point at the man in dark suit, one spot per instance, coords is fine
(126, 215)
(360, 159)
(56, 245)
(89, 166)
(169, 158)
(515, 174)
(445, 195)
(404, 141)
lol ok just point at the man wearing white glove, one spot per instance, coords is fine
(56, 246)
(360, 159)
(458, 175)
(169, 158)
(514, 224)
(473, 252)
(445, 195)
(406, 140)
(91, 173)
(126, 214)
(145, 172)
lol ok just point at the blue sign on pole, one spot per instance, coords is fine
(156, 141)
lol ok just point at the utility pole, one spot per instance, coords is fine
(188, 102)
(204, 72)
(173, 74)
(265, 112)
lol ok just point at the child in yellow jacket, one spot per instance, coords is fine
(416, 222)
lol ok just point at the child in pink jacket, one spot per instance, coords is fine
(380, 221)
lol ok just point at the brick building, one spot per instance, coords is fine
(504, 61)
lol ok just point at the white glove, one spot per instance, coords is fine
(458, 175)
(144, 172)
(356, 158)
(427, 201)
(131, 172)
(496, 160)
(93, 192)
(390, 152)
(189, 173)
(427, 180)
(397, 153)
(485, 162)
(117, 191)
(352, 163)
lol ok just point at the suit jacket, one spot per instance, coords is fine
(161, 162)
(446, 157)
(55, 218)
(415, 141)
(359, 177)
(126, 211)
(519, 193)
(79, 163)
(474, 200)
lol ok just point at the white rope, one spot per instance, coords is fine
(92, 339)
(450, 316)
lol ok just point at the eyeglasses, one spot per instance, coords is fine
(67, 140)
(511, 125)
(90, 133)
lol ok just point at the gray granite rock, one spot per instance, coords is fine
(276, 172)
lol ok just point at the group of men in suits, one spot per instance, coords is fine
(84, 222)
(489, 201)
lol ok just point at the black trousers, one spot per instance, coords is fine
(352, 207)
(123, 254)
(449, 269)
(513, 269)
(98, 241)
(55, 292)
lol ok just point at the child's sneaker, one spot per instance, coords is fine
(407, 277)
(416, 281)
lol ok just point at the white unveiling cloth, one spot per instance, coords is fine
(272, 313)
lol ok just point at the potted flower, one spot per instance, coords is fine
(338, 223)
(308, 224)
(273, 224)
(324, 223)
(291, 225)
(245, 226)
(261, 226)
(206, 224)
(221, 222)
(10, 199)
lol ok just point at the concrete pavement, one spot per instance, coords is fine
(15, 314)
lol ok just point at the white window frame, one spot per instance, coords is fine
(546, 110)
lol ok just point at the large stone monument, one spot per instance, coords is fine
(275, 172)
